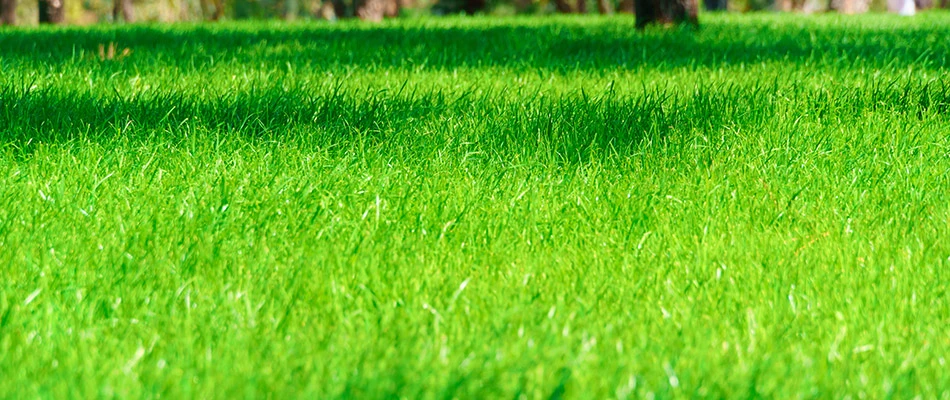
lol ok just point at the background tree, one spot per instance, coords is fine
(376, 10)
(123, 9)
(666, 12)
(794, 5)
(562, 6)
(850, 6)
(473, 6)
(7, 12)
(212, 9)
(470, 7)
(716, 5)
(291, 10)
(580, 7)
(51, 11)
(626, 6)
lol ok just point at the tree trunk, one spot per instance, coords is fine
(562, 6)
(291, 9)
(666, 12)
(122, 8)
(853, 6)
(7, 12)
(340, 10)
(376, 10)
(324, 10)
(604, 7)
(370, 10)
(582, 6)
(626, 6)
(717, 5)
(51, 11)
(794, 5)
(473, 6)
(392, 9)
(218, 9)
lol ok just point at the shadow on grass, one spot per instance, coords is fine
(556, 44)
(570, 128)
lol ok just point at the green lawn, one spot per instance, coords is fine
(477, 208)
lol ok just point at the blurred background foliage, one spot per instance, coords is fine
(84, 12)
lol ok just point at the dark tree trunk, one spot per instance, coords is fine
(473, 6)
(666, 12)
(582, 6)
(51, 11)
(123, 9)
(7, 12)
(340, 9)
(562, 6)
(626, 6)
(717, 5)
(604, 7)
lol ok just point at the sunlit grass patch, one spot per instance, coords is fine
(476, 208)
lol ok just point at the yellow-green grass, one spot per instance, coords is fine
(477, 208)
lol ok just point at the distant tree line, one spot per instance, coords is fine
(646, 11)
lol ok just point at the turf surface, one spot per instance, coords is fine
(477, 208)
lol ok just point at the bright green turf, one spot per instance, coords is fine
(478, 208)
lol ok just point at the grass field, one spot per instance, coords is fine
(477, 208)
